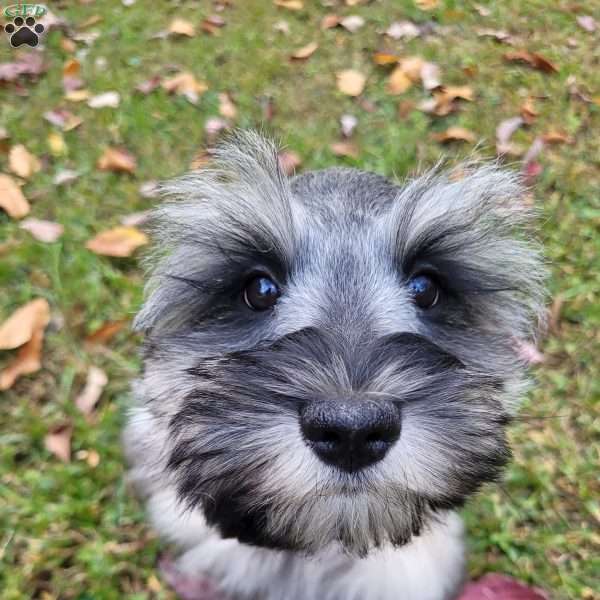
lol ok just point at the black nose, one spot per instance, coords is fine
(350, 435)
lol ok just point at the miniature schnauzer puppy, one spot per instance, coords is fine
(330, 363)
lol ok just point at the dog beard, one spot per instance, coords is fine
(240, 456)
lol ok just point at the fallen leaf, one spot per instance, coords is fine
(348, 124)
(63, 118)
(289, 161)
(56, 143)
(117, 160)
(185, 84)
(22, 163)
(495, 586)
(405, 108)
(58, 441)
(149, 85)
(351, 82)
(179, 26)
(455, 134)
(149, 189)
(499, 35)
(587, 22)
(412, 66)
(427, 4)
(345, 148)
(91, 457)
(19, 328)
(484, 11)
(430, 76)
(290, 4)
(105, 332)
(557, 137)
(534, 60)
(201, 159)
(534, 150)
(330, 21)
(282, 27)
(227, 108)
(90, 21)
(504, 132)
(214, 127)
(554, 313)
(30, 65)
(119, 242)
(70, 74)
(12, 200)
(41, 230)
(385, 58)
(305, 52)
(65, 176)
(456, 92)
(136, 219)
(68, 45)
(88, 398)
(528, 111)
(78, 95)
(403, 30)
(105, 100)
(398, 81)
(352, 23)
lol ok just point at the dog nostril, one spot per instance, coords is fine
(350, 435)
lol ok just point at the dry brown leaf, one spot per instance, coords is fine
(105, 332)
(345, 148)
(427, 4)
(289, 161)
(456, 92)
(385, 58)
(68, 45)
(22, 163)
(398, 81)
(27, 361)
(528, 111)
(12, 200)
(117, 160)
(58, 441)
(305, 52)
(412, 66)
(41, 230)
(19, 328)
(179, 26)
(455, 134)
(533, 59)
(351, 82)
(330, 21)
(119, 241)
(290, 4)
(88, 398)
(185, 84)
(557, 137)
(227, 108)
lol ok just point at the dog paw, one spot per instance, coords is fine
(24, 31)
(495, 586)
(188, 587)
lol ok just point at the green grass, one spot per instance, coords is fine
(73, 531)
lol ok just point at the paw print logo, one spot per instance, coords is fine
(24, 31)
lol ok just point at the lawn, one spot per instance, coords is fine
(72, 529)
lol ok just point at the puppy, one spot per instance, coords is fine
(330, 363)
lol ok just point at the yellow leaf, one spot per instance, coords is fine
(351, 82)
(22, 163)
(56, 143)
(398, 82)
(290, 4)
(305, 51)
(77, 95)
(12, 199)
(180, 26)
(119, 242)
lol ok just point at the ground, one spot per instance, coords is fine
(72, 529)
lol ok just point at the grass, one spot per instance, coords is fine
(73, 530)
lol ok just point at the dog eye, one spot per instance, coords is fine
(261, 293)
(424, 290)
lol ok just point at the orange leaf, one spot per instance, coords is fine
(305, 52)
(105, 332)
(557, 137)
(118, 160)
(185, 84)
(398, 82)
(534, 60)
(119, 241)
(22, 163)
(351, 82)
(71, 68)
(455, 134)
(19, 328)
(385, 58)
(12, 199)
(58, 441)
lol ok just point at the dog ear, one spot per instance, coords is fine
(239, 205)
(474, 225)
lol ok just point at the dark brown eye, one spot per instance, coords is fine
(261, 293)
(424, 290)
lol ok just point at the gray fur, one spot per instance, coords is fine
(223, 386)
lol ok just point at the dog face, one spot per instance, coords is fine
(331, 358)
